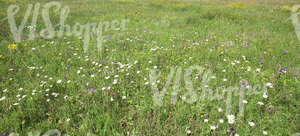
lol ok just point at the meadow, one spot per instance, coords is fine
(159, 67)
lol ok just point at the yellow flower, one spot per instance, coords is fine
(12, 46)
(25, 45)
(1, 56)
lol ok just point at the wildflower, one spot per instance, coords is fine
(260, 103)
(224, 79)
(283, 70)
(68, 119)
(12, 46)
(262, 61)
(247, 85)
(205, 120)
(251, 124)
(231, 119)
(269, 85)
(285, 52)
(1, 56)
(245, 101)
(213, 127)
(65, 97)
(265, 133)
(58, 81)
(248, 68)
(92, 90)
(244, 57)
(270, 111)
(220, 110)
(265, 96)
(5, 90)
(221, 121)
(188, 131)
(236, 134)
(258, 70)
(123, 97)
(2, 98)
(111, 99)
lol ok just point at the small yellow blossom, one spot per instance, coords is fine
(12, 46)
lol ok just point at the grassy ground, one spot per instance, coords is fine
(53, 84)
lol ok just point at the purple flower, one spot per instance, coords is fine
(107, 36)
(21, 69)
(246, 42)
(285, 52)
(92, 90)
(283, 70)
(70, 67)
(103, 62)
(119, 42)
(270, 111)
(262, 61)
(3, 135)
(247, 85)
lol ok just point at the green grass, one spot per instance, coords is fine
(184, 33)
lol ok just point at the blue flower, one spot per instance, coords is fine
(285, 52)
(283, 70)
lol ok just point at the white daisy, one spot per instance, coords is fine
(231, 119)
(213, 127)
(58, 81)
(251, 124)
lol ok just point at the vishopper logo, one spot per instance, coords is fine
(295, 20)
(190, 94)
(50, 32)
